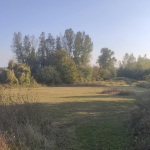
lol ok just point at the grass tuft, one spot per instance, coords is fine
(140, 122)
(121, 92)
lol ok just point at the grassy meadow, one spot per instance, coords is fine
(79, 117)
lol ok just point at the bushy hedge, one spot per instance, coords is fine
(15, 73)
(64, 65)
(147, 78)
(85, 73)
(48, 75)
(22, 72)
(8, 76)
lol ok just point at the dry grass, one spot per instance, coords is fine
(143, 84)
(21, 123)
(60, 118)
(121, 92)
(102, 83)
(140, 122)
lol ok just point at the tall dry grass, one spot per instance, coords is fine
(121, 92)
(140, 122)
(22, 124)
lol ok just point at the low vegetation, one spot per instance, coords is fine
(140, 122)
(78, 118)
(21, 125)
(121, 92)
(144, 84)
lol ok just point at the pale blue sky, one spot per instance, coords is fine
(121, 25)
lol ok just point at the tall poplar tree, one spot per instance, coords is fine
(50, 44)
(68, 41)
(58, 43)
(83, 47)
(17, 47)
(41, 54)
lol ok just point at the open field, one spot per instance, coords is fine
(82, 118)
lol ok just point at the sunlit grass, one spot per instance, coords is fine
(81, 117)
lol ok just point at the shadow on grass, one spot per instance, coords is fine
(101, 96)
(92, 125)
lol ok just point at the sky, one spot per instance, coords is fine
(120, 25)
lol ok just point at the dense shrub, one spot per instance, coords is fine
(124, 79)
(48, 75)
(140, 122)
(85, 73)
(8, 76)
(143, 84)
(22, 73)
(104, 74)
(147, 78)
(96, 74)
(64, 65)
(11, 65)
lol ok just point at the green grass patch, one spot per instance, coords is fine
(73, 118)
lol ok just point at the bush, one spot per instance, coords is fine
(104, 74)
(124, 79)
(22, 73)
(140, 122)
(85, 73)
(64, 65)
(8, 76)
(147, 78)
(48, 75)
(96, 74)
(143, 84)
(121, 92)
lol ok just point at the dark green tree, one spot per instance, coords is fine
(58, 43)
(64, 65)
(107, 63)
(106, 59)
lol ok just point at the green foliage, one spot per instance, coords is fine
(64, 65)
(58, 43)
(140, 122)
(8, 76)
(68, 41)
(41, 54)
(22, 73)
(107, 64)
(83, 47)
(95, 73)
(132, 68)
(147, 78)
(48, 75)
(106, 59)
(85, 73)
(124, 79)
(143, 84)
(16, 73)
(11, 64)
(104, 74)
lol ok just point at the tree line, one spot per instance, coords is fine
(65, 59)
